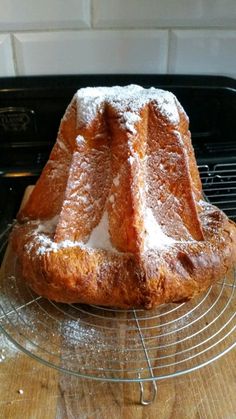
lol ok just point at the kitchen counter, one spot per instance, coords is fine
(31, 390)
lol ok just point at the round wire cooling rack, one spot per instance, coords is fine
(118, 345)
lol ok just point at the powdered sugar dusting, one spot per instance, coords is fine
(100, 237)
(48, 245)
(154, 237)
(80, 140)
(129, 119)
(89, 102)
(47, 226)
(127, 100)
(166, 103)
(131, 160)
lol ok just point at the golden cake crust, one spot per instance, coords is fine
(94, 276)
(117, 216)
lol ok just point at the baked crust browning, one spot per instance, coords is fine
(117, 216)
(124, 280)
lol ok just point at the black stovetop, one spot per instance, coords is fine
(31, 109)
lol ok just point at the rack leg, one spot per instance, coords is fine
(143, 400)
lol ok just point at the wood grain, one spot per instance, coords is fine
(206, 393)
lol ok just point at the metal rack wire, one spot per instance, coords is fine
(219, 185)
(127, 345)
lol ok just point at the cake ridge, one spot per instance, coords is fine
(91, 100)
(122, 111)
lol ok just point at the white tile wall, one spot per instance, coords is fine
(163, 13)
(209, 52)
(92, 52)
(149, 13)
(44, 14)
(6, 57)
(220, 13)
(117, 36)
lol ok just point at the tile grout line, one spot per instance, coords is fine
(119, 29)
(92, 14)
(14, 55)
(168, 52)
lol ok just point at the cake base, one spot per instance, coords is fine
(76, 274)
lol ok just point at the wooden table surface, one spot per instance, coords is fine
(30, 390)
